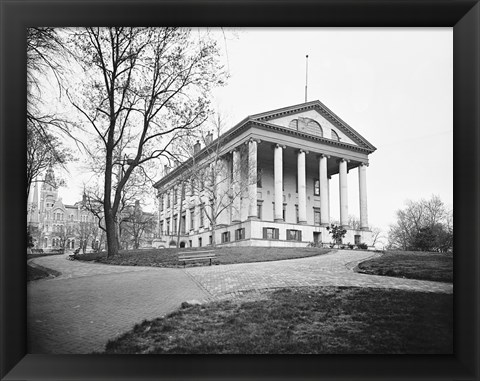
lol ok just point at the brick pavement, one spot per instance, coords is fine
(332, 269)
(79, 311)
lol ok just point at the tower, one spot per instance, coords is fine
(49, 192)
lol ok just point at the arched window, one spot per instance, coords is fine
(313, 127)
(293, 124)
(335, 136)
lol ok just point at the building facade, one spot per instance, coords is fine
(55, 225)
(266, 182)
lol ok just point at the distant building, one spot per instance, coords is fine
(282, 196)
(55, 225)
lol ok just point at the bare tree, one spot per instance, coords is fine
(46, 57)
(144, 88)
(137, 224)
(43, 151)
(212, 180)
(417, 219)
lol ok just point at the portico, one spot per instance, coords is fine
(307, 181)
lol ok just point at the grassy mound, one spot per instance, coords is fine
(310, 320)
(169, 257)
(411, 264)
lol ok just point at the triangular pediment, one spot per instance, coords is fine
(314, 118)
(58, 205)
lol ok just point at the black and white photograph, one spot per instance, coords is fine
(195, 190)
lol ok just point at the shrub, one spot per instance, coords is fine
(363, 246)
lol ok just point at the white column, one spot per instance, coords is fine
(172, 209)
(278, 175)
(324, 191)
(180, 206)
(362, 183)
(160, 200)
(252, 178)
(236, 205)
(343, 193)
(302, 191)
(328, 192)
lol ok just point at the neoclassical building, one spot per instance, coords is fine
(278, 166)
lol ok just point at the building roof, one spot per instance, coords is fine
(323, 110)
(263, 120)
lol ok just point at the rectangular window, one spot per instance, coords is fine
(259, 210)
(357, 238)
(161, 203)
(199, 242)
(168, 226)
(183, 222)
(161, 228)
(190, 242)
(239, 234)
(316, 216)
(202, 215)
(210, 240)
(270, 233)
(316, 187)
(168, 200)
(285, 212)
(225, 237)
(175, 224)
(294, 235)
(192, 219)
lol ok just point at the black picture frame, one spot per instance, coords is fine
(462, 15)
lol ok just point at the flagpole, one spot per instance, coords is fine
(306, 77)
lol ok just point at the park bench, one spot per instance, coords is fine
(72, 256)
(196, 256)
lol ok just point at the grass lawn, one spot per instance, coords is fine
(411, 264)
(32, 256)
(310, 320)
(38, 272)
(169, 257)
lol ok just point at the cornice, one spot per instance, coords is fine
(324, 111)
(331, 142)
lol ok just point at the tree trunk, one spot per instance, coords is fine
(214, 228)
(112, 239)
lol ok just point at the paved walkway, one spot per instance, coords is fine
(79, 311)
(332, 269)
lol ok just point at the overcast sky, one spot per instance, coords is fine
(393, 86)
